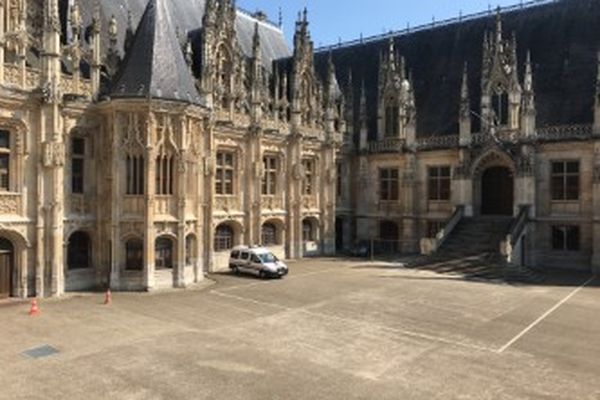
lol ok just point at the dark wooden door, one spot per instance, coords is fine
(5, 274)
(497, 191)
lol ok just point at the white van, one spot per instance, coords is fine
(256, 260)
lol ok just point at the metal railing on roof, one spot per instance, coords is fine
(436, 24)
(253, 15)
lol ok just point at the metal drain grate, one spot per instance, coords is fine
(41, 352)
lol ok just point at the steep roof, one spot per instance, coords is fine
(187, 18)
(563, 37)
(154, 66)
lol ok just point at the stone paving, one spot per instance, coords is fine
(332, 329)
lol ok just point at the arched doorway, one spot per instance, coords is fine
(163, 253)
(6, 268)
(497, 191)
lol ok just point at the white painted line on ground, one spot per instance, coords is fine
(402, 332)
(544, 316)
(418, 335)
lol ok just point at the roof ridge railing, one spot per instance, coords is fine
(435, 24)
(253, 15)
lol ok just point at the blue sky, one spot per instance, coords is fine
(332, 20)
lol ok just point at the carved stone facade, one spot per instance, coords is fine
(148, 182)
(492, 155)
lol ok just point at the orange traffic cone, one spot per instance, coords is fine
(34, 310)
(107, 297)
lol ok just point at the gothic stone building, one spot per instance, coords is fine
(493, 118)
(141, 140)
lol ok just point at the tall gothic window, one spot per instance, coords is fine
(164, 253)
(500, 107)
(4, 161)
(389, 184)
(135, 175)
(308, 231)
(77, 165)
(565, 180)
(439, 184)
(224, 238)
(134, 255)
(565, 238)
(164, 175)
(269, 182)
(224, 173)
(392, 119)
(309, 176)
(269, 235)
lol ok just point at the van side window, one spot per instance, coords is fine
(245, 256)
(255, 259)
(235, 254)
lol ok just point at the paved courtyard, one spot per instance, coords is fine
(330, 330)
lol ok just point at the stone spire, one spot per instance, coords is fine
(364, 132)
(464, 118)
(528, 111)
(256, 92)
(155, 66)
(597, 96)
(350, 123)
(95, 38)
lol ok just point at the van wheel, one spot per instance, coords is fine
(235, 270)
(262, 275)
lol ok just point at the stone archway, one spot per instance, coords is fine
(7, 268)
(493, 183)
(497, 191)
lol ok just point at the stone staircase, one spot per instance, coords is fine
(473, 250)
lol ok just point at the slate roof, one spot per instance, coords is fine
(563, 36)
(154, 66)
(187, 18)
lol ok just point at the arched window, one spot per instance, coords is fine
(79, 251)
(134, 255)
(190, 250)
(500, 107)
(269, 235)
(224, 238)
(392, 119)
(164, 253)
(4, 161)
(308, 231)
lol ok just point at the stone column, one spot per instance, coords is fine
(596, 212)
(294, 198)
(149, 231)
(117, 156)
(180, 278)
(411, 205)
(2, 41)
(462, 184)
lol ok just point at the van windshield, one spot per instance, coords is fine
(267, 258)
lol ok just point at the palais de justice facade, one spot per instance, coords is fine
(139, 143)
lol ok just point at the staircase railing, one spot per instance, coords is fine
(512, 246)
(431, 245)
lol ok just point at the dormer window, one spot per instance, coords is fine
(500, 107)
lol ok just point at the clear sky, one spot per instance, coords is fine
(332, 20)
